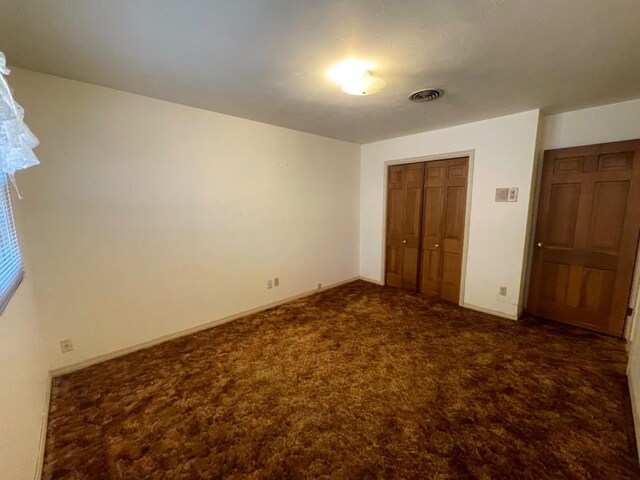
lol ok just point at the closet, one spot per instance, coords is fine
(426, 205)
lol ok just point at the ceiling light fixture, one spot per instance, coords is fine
(355, 77)
(364, 84)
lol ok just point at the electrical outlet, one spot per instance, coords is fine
(269, 283)
(66, 345)
(319, 286)
(503, 291)
(512, 195)
(276, 282)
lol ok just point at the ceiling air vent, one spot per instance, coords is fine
(426, 95)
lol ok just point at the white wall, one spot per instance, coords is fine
(147, 218)
(608, 123)
(23, 384)
(504, 157)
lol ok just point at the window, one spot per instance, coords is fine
(16, 153)
(11, 271)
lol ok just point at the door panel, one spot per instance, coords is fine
(430, 272)
(443, 227)
(597, 286)
(410, 269)
(396, 206)
(586, 235)
(404, 215)
(554, 279)
(563, 214)
(615, 161)
(568, 165)
(453, 234)
(433, 212)
(394, 265)
(453, 221)
(395, 221)
(414, 174)
(450, 277)
(413, 205)
(607, 215)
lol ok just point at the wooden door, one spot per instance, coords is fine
(445, 200)
(433, 211)
(404, 212)
(455, 205)
(586, 235)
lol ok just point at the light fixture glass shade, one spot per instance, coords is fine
(364, 84)
(348, 70)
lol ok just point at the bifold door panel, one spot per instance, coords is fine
(445, 201)
(404, 210)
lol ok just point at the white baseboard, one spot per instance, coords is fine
(43, 429)
(510, 316)
(464, 305)
(172, 336)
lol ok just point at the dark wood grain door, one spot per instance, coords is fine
(455, 204)
(404, 213)
(587, 235)
(432, 213)
(445, 200)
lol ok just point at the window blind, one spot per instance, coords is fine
(11, 272)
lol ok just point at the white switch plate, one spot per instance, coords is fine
(503, 291)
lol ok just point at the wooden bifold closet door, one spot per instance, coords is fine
(404, 211)
(445, 202)
(426, 205)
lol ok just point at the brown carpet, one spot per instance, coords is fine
(356, 382)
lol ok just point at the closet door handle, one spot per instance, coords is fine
(437, 245)
(404, 241)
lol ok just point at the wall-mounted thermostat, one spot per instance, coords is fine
(507, 194)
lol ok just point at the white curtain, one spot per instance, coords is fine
(16, 140)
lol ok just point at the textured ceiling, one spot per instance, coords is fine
(266, 60)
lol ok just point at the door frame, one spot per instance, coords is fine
(465, 244)
(632, 320)
(634, 294)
